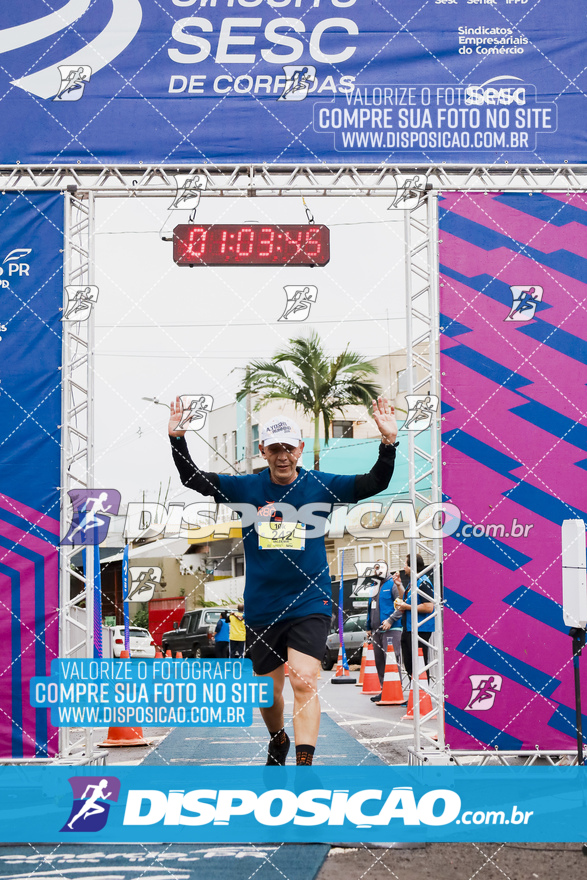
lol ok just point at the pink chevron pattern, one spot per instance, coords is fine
(514, 435)
(29, 626)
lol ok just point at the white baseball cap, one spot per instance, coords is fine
(281, 430)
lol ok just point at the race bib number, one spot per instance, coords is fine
(281, 536)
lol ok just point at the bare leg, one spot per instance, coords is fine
(303, 675)
(273, 715)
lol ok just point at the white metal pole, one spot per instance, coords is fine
(63, 737)
(90, 550)
(412, 478)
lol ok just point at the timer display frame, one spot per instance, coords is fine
(251, 244)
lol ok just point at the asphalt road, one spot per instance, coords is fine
(381, 730)
(460, 861)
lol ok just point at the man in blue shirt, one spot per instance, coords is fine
(222, 636)
(381, 607)
(425, 608)
(287, 593)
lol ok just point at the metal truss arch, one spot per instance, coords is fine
(82, 184)
(287, 180)
(77, 457)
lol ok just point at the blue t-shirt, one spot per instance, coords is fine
(424, 587)
(387, 594)
(222, 631)
(291, 579)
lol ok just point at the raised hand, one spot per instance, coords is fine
(384, 417)
(175, 419)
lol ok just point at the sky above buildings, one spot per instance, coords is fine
(163, 330)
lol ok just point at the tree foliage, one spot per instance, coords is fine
(318, 385)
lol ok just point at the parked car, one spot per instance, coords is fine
(140, 640)
(194, 636)
(354, 634)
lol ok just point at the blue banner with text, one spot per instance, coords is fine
(212, 804)
(122, 81)
(209, 693)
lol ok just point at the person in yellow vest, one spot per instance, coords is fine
(238, 635)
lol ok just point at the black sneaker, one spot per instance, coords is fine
(276, 754)
(376, 699)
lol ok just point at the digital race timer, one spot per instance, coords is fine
(251, 245)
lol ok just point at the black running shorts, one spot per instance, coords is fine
(267, 645)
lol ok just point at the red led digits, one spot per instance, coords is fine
(223, 237)
(294, 239)
(196, 243)
(312, 242)
(239, 245)
(242, 248)
(268, 242)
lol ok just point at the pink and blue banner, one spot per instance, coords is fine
(513, 302)
(31, 286)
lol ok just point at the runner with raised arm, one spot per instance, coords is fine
(287, 593)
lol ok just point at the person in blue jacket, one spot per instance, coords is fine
(381, 607)
(222, 637)
(425, 608)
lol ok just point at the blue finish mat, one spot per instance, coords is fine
(162, 861)
(248, 745)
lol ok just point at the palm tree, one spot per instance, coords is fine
(317, 384)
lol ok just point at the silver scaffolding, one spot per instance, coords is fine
(82, 184)
(287, 180)
(422, 336)
(76, 606)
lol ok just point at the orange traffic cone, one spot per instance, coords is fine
(286, 669)
(425, 701)
(371, 679)
(342, 674)
(340, 670)
(391, 692)
(409, 716)
(363, 662)
(168, 654)
(124, 736)
(158, 654)
(178, 655)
